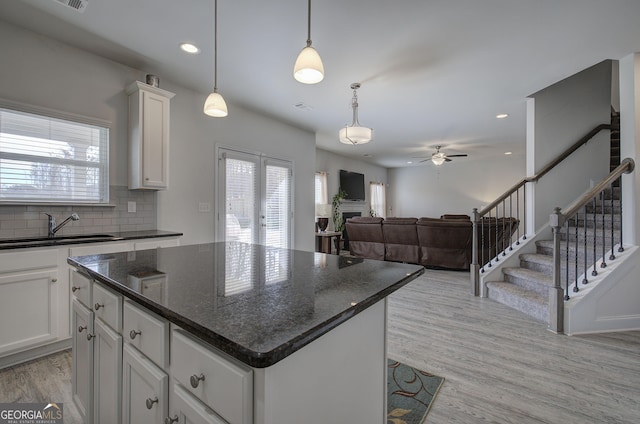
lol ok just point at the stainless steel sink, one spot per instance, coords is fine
(46, 241)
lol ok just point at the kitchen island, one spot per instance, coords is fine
(303, 333)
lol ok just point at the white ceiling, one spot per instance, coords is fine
(432, 72)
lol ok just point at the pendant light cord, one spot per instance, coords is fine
(308, 25)
(215, 46)
(354, 105)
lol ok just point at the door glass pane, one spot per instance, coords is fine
(277, 214)
(241, 200)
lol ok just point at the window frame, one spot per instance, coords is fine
(103, 167)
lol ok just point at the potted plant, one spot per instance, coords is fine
(338, 223)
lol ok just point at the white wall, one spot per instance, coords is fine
(562, 114)
(630, 142)
(39, 71)
(455, 187)
(332, 163)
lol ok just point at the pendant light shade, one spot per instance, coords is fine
(308, 68)
(215, 105)
(355, 133)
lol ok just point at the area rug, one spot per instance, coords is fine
(410, 393)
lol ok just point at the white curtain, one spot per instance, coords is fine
(378, 199)
(321, 188)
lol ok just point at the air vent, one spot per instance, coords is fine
(79, 5)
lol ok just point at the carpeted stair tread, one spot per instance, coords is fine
(523, 300)
(529, 275)
(537, 262)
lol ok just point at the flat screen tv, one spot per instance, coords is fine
(352, 183)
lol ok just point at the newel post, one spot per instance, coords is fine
(475, 268)
(556, 294)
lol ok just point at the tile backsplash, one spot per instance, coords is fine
(30, 221)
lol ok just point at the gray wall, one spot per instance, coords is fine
(42, 72)
(559, 116)
(455, 187)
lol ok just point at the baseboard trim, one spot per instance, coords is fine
(35, 353)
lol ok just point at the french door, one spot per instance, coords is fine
(254, 203)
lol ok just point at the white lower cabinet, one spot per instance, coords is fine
(145, 389)
(29, 300)
(82, 360)
(186, 409)
(107, 374)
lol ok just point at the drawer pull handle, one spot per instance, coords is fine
(134, 333)
(90, 336)
(195, 380)
(81, 328)
(170, 420)
(75, 289)
(54, 280)
(150, 402)
(97, 306)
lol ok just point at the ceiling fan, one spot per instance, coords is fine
(438, 158)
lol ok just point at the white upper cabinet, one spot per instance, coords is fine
(148, 136)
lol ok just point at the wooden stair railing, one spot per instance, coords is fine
(494, 240)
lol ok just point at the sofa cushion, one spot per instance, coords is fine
(445, 243)
(401, 240)
(365, 237)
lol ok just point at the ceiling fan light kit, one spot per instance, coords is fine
(215, 105)
(355, 133)
(308, 68)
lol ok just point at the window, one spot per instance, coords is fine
(378, 202)
(52, 159)
(321, 188)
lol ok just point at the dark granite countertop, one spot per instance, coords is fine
(61, 240)
(256, 303)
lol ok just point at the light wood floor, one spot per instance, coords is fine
(499, 366)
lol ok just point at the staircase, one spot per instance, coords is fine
(526, 288)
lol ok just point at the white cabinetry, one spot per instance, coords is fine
(148, 136)
(29, 300)
(145, 391)
(97, 351)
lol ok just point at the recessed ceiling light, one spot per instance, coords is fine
(508, 153)
(502, 115)
(409, 162)
(367, 155)
(189, 48)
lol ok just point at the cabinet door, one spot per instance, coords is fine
(155, 140)
(145, 389)
(28, 309)
(82, 361)
(107, 374)
(186, 409)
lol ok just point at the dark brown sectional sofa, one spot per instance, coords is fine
(444, 242)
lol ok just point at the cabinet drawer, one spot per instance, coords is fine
(187, 409)
(81, 288)
(107, 306)
(223, 385)
(148, 332)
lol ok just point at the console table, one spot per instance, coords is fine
(323, 241)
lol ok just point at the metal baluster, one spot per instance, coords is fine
(575, 222)
(566, 260)
(621, 248)
(518, 213)
(482, 243)
(584, 224)
(497, 233)
(510, 222)
(504, 249)
(604, 236)
(613, 214)
(595, 236)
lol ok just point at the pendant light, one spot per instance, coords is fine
(355, 134)
(215, 105)
(308, 68)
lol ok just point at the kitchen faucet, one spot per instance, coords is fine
(53, 228)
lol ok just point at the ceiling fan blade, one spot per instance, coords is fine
(424, 160)
(457, 156)
(447, 159)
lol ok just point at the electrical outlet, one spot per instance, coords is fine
(131, 206)
(204, 207)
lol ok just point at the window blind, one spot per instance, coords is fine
(49, 159)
